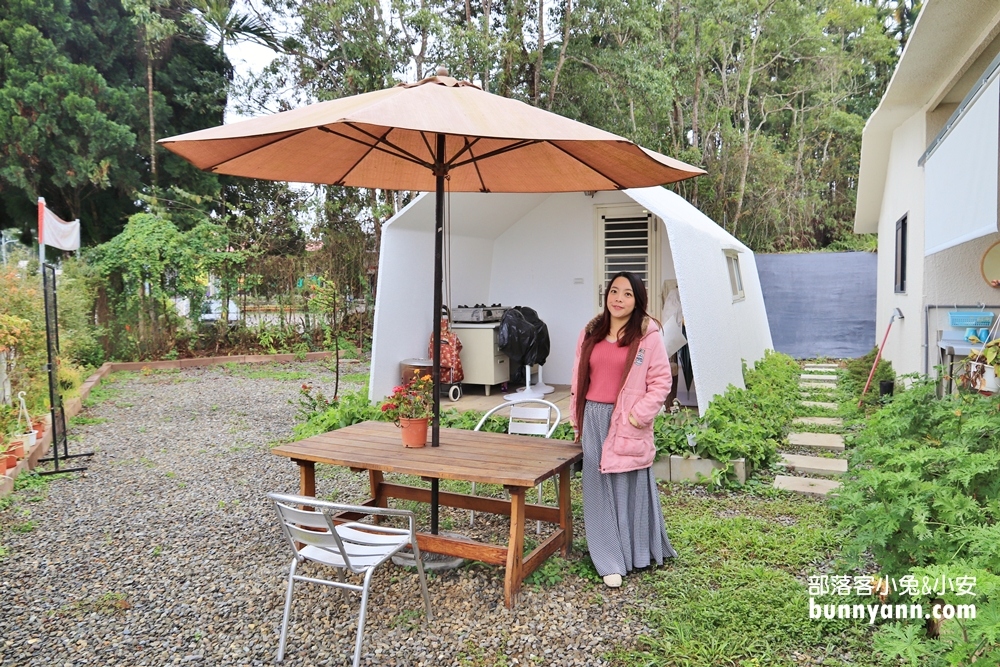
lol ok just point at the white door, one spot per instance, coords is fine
(628, 240)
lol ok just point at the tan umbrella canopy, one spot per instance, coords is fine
(387, 139)
(413, 137)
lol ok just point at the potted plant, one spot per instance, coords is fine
(410, 407)
(983, 368)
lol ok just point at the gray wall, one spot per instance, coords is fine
(820, 304)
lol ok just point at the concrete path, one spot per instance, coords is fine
(814, 471)
(807, 485)
(832, 441)
(818, 421)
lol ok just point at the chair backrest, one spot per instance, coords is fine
(316, 527)
(527, 420)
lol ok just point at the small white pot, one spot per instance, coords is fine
(29, 440)
(988, 382)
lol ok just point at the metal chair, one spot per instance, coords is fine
(526, 421)
(358, 547)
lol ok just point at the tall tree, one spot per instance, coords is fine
(154, 32)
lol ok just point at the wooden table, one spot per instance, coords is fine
(517, 462)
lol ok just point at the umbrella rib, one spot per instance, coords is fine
(466, 148)
(430, 151)
(281, 136)
(396, 152)
(479, 174)
(516, 145)
(340, 181)
(588, 166)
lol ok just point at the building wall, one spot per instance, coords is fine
(903, 196)
(546, 261)
(954, 276)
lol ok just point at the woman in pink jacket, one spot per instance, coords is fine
(620, 380)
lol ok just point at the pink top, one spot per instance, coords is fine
(607, 363)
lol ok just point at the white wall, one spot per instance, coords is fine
(721, 333)
(903, 196)
(954, 276)
(546, 261)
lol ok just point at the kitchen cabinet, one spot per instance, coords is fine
(482, 360)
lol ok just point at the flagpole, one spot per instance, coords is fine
(41, 237)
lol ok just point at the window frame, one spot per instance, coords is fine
(901, 243)
(736, 284)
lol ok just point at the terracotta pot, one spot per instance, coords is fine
(39, 428)
(10, 461)
(17, 447)
(414, 431)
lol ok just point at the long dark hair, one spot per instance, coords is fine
(633, 328)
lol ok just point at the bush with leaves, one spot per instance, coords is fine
(923, 498)
(857, 375)
(741, 422)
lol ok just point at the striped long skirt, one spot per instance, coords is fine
(621, 511)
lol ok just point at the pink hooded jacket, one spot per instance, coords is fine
(646, 387)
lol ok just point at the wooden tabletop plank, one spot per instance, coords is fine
(477, 456)
(488, 452)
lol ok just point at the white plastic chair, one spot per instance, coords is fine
(526, 420)
(358, 547)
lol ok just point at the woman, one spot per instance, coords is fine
(620, 380)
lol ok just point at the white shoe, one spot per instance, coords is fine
(613, 580)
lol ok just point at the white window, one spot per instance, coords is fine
(628, 241)
(735, 277)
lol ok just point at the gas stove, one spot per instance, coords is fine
(478, 313)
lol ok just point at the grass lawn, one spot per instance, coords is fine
(738, 593)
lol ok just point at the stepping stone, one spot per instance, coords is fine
(817, 385)
(815, 465)
(807, 485)
(820, 367)
(818, 421)
(832, 441)
(818, 404)
(807, 377)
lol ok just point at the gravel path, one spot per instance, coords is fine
(165, 551)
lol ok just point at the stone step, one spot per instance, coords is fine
(820, 404)
(818, 421)
(820, 367)
(832, 441)
(808, 485)
(817, 377)
(818, 385)
(814, 465)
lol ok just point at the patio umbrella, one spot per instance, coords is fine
(413, 137)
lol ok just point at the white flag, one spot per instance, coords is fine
(58, 233)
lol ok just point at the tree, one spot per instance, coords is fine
(154, 31)
(60, 135)
(75, 90)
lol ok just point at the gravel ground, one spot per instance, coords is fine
(165, 551)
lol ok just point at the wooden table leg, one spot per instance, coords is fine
(307, 478)
(515, 548)
(375, 479)
(565, 511)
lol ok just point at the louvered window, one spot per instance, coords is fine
(626, 246)
(627, 243)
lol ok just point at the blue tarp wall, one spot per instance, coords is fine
(820, 304)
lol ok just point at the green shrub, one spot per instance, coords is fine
(740, 423)
(857, 375)
(923, 498)
(350, 408)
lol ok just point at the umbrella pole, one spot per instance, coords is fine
(439, 173)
